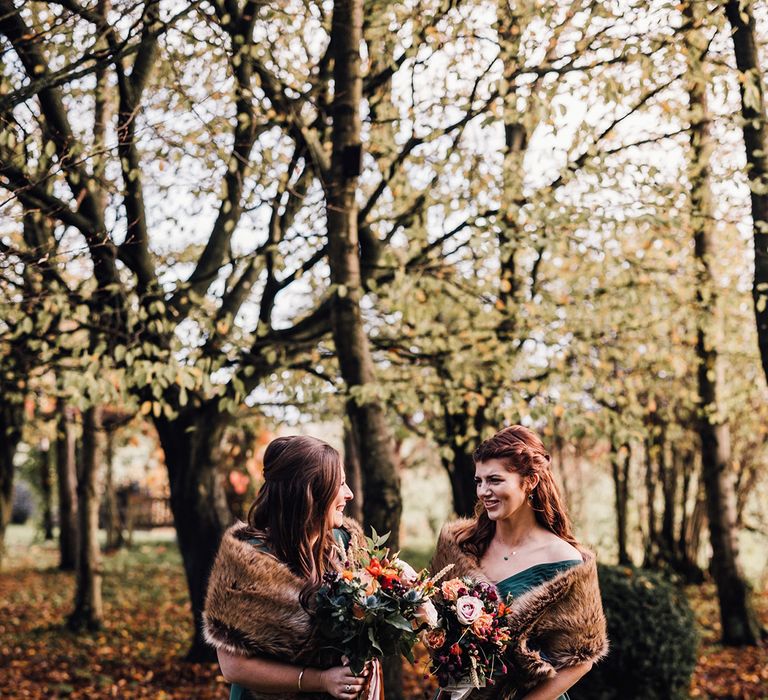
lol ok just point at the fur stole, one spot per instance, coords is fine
(252, 604)
(562, 617)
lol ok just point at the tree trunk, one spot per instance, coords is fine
(698, 526)
(669, 482)
(458, 427)
(686, 462)
(745, 48)
(354, 473)
(748, 478)
(198, 501)
(88, 612)
(461, 471)
(558, 466)
(381, 481)
(112, 524)
(691, 520)
(11, 421)
(46, 492)
(382, 502)
(67, 483)
(739, 622)
(651, 538)
(621, 456)
(510, 33)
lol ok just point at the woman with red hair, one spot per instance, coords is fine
(521, 541)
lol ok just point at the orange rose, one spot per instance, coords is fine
(482, 625)
(450, 589)
(435, 638)
(347, 575)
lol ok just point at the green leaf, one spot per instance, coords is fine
(399, 622)
(374, 641)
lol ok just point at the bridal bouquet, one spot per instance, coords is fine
(375, 607)
(467, 646)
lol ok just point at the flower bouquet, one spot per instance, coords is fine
(375, 607)
(467, 646)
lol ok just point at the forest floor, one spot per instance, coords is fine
(146, 631)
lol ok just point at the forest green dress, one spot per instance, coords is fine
(342, 537)
(524, 581)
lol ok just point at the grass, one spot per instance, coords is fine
(139, 652)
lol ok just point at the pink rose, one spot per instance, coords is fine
(450, 589)
(468, 609)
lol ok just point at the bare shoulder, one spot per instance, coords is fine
(557, 549)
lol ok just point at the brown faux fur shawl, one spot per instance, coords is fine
(252, 605)
(563, 617)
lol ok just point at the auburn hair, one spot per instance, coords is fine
(519, 450)
(302, 476)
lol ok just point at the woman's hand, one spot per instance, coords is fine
(341, 683)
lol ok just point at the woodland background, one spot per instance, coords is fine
(399, 226)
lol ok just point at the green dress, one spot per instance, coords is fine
(342, 537)
(524, 581)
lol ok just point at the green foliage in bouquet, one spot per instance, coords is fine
(375, 607)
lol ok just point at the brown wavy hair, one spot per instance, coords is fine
(302, 476)
(519, 450)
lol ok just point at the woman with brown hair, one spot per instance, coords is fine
(520, 540)
(258, 605)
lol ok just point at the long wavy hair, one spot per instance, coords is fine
(519, 450)
(302, 476)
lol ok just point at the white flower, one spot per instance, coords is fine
(468, 609)
(426, 612)
(408, 573)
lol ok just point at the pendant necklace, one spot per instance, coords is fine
(513, 552)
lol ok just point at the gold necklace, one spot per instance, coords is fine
(512, 552)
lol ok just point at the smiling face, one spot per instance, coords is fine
(501, 491)
(336, 515)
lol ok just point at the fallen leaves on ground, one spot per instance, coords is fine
(146, 631)
(727, 672)
(138, 654)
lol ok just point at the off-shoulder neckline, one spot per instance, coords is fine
(573, 562)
